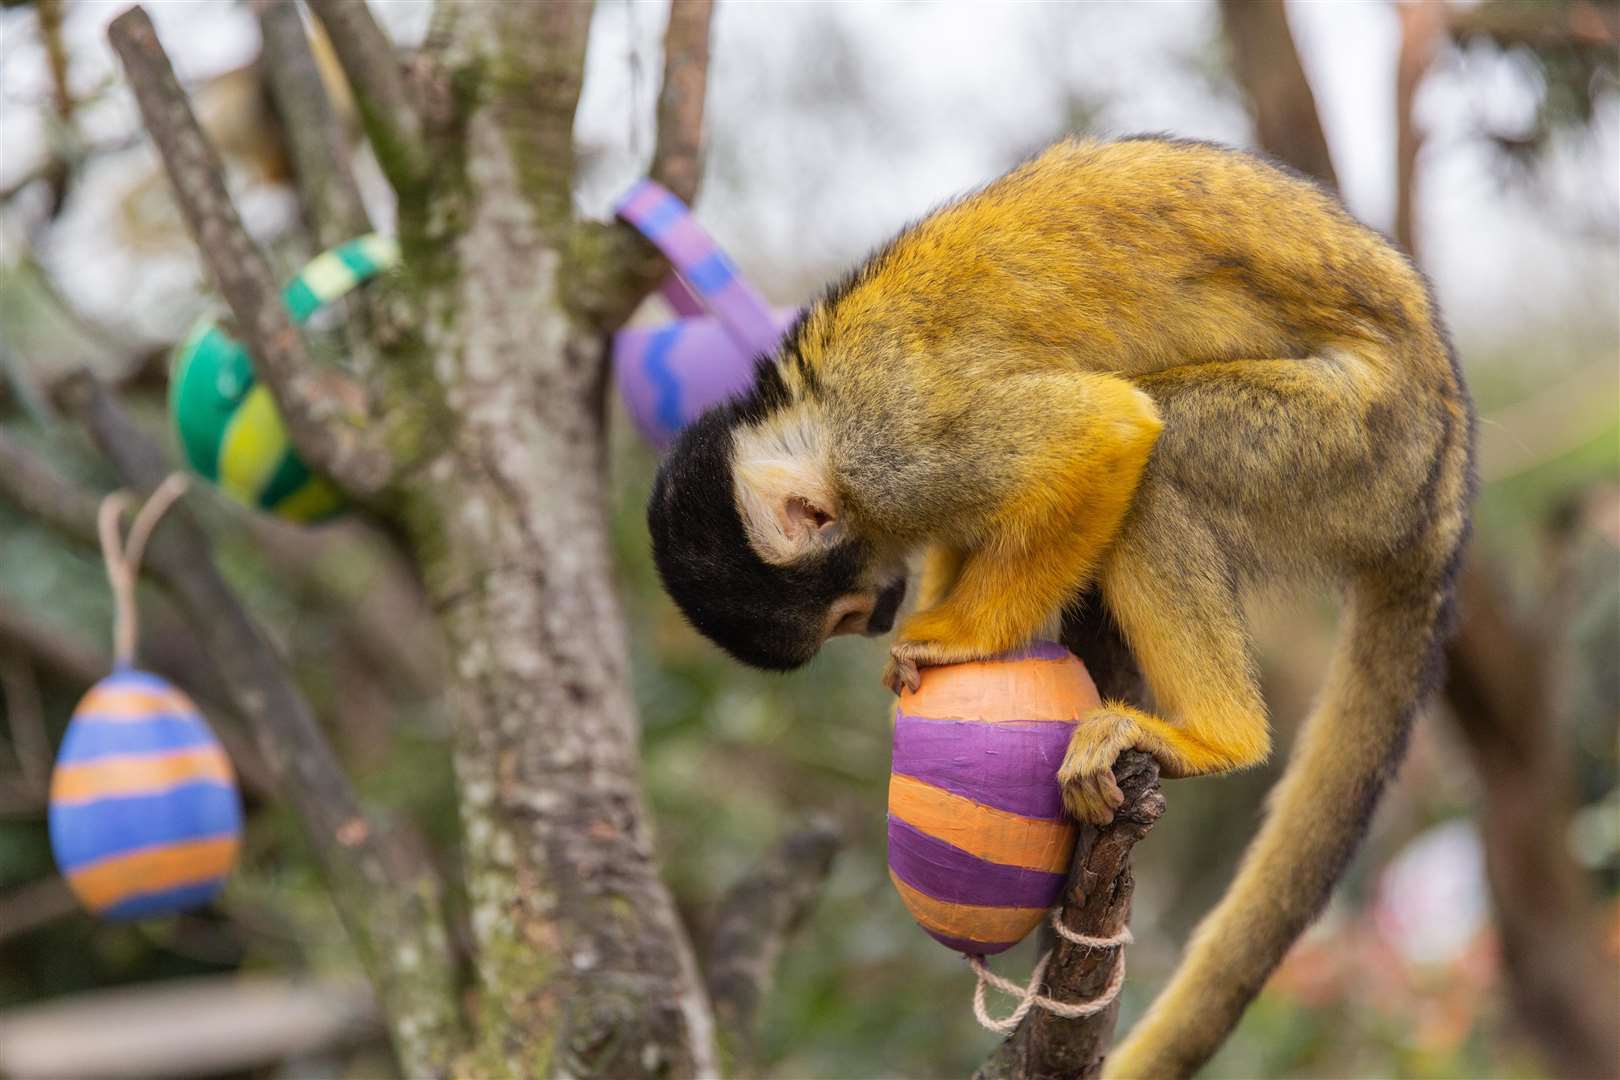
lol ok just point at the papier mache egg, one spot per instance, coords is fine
(226, 421)
(145, 818)
(670, 373)
(979, 842)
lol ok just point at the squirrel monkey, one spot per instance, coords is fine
(1162, 370)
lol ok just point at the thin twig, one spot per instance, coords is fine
(1269, 69)
(323, 413)
(754, 921)
(678, 154)
(320, 147)
(389, 107)
(1579, 24)
(25, 715)
(58, 170)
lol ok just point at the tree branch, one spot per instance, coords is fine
(1268, 67)
(323, 412)
(1577, 24)
(388, 897)
(616, 267)
(320, 147)
(678, 153)
(26, 716)
(1423, 27)
(1097, 904)
(36, 489)
(388, 106)
(1497, 684)
(57, 168)
(754, 921)
(28, 907)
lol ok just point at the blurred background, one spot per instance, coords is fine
(1486, 137)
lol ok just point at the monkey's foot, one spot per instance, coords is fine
(1090, 792)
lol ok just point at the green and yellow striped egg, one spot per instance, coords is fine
(227, 423)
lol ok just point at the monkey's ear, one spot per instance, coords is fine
(788, 508)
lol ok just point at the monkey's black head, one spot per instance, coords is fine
(770, 614)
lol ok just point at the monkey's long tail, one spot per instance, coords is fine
(1386, 662)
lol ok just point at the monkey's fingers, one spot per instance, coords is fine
(901, 673)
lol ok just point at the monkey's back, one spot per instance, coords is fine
(1128, 256)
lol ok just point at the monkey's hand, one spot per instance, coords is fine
(905, 657)
(900, 673)
(909, 653)
(1090, 792)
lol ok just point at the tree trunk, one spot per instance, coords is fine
(583, 965)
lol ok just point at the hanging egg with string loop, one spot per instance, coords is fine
(144, 814)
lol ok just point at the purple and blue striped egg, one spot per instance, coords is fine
(145, 818)
(979, 842)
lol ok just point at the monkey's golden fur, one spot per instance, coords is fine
(1167, 370)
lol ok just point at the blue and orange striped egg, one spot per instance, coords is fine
(979, 842)
(144, 813)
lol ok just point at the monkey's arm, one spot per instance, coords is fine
(942, 563)
(1082, 442)
(1249, 433)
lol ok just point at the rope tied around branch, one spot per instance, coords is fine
(123, 557)
(1030, 997)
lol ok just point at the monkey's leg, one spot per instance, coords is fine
(1076, 467)
(1168, 585)
(1279, 459)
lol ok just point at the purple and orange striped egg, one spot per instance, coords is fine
(979, 842)
(144, 813)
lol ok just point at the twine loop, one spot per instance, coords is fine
(123, 557)
(1030, 996)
